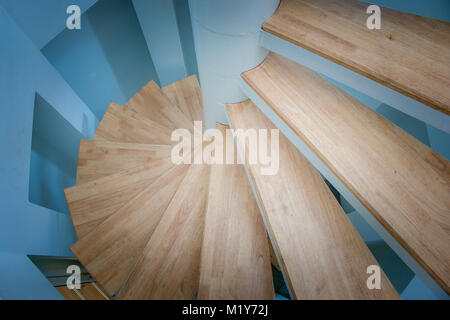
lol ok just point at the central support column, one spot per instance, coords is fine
(226, 36)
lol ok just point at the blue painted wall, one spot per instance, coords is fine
(160, 27)
(107, 60)
(26, 228)
(54, 154)
(186, 36)
(42, 20)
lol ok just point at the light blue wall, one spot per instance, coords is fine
(54, 155)
(42, 20)
(26, 228)
(417, 290)
(187, 38)
(47, 183)
(160, 27)
(118, 31)
(439, 141)
(107, 60)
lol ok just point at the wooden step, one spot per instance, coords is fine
(169, 265)
(119, 125)
(235, 260)
(402, 182)
(409, 54)
(321, 253)
(109, 252)
(97, 159)
(152, 103)
(92, 202)
(90, 291)
(69, 294)
(186, 94)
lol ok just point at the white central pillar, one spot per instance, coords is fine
(226, 36)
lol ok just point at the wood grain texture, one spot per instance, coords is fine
(91, 203)
(152, 103)
(273, 256)
(402, 182)
(235, 263)
(186, 94)
(109, 252)
(321, 253)
(68, 294)
(97, 159)
(409, 54)
(169, 265)
(119, 125)
(90, 291)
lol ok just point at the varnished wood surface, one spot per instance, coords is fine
(235, 260)
(402, 182)
(186, 94)
(409, 53)
(322, 254)
(152, 103)
(119, 125)
(273, 256)
(97, 159)
(169, 265)
(90, 291)
(68, 294)
(109, 252)
(92, 202)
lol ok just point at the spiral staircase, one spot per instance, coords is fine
(149, 228)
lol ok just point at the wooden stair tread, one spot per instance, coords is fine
(169, 265)
(97, 159)
(152, 103)
(92, 202)
(68, 294)
(109, 252)
(409, 54)
(235, 261)
(321, 253)
(186, 94)
(90, 291)
(402, 182)
(119, 125)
